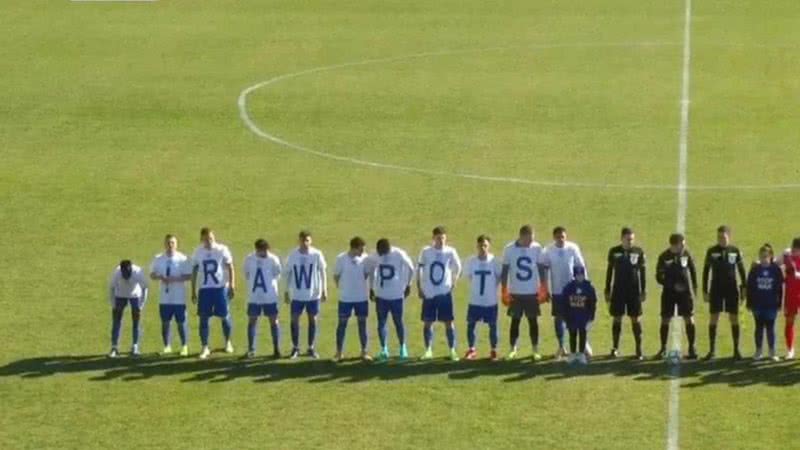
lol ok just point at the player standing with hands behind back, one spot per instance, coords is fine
(676, 273)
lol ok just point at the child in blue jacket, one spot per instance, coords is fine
(764, 298)
(581, 300)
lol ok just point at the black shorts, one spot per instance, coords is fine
(670, 301)
(523, 304)
(625, 303)
(723, 301)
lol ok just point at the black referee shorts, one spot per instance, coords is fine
(723, 300)
(676, 303)
(625, 303)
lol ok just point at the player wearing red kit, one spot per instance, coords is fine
(791, 261)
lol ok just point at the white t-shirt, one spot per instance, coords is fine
(561, 262)
(210, 263)
(484, 276)
(352, 274)
(391, 273)
(133, 287)
(305, 274)
(262, 275)
(176, 265)
(523, 271)
(440, 270)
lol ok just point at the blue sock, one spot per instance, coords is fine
(340, 330)
(116, 328)
(204, 330)
(494, 335)
(471, 334)
(362, 333)
(759, 333)
(183, 330)
(227, 327)
(771, 334)
(400, 327)
(382, 331)
(136, 331)
(427, 335)
(312, 332)
(165, 334)
(558, 324)
(295, 330)
(275, 329)
(252, 329)
(451, 336)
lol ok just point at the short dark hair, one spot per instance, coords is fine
(558, 230)
(796, 242)
(525, 229)
(724, 229)
(484, 238)
(767, 247)
(439, 230)
(357, 242)
(383, 246)
(262, 244)
(126, 268)
(169, 236)
(205, 231)
(304, 234)
(676, 238)
(626, 231)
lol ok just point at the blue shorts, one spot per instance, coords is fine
(121, 303)
(212, 302)
(766, 314)
(346, 309)
(477, 313)
(311, 307)
(168, 312)
(262, 309)
(384, 307)
(559, 306)
(439, 308)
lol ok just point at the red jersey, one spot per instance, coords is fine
(792, 263)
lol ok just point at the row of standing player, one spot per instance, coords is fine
(526, 275)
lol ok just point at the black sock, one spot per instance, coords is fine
(616, 330)
(514, 331)
(637, 336)
(573, 340)
(735, 334)
(712, 337)
(533, 330)
(664, 332)
(690, 331)
(582, 341)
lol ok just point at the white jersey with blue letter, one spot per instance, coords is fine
(352, 274)
(484, 276)
(305, 274)
(440, 268)
(561, 261)
(174, 265)
(262, 275)
(391, 273)
(523, 271)
(210, 263)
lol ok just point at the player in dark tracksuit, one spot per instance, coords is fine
(625, 290)
(724, 294)
(764, 298)
(581, 302)
(676, 273)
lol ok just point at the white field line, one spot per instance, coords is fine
(673, 419)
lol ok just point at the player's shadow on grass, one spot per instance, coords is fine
(221, 369)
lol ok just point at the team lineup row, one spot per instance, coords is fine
(527, 276)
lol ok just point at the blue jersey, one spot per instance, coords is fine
(764, 287)
(581, 300)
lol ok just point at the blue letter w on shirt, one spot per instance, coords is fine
(301, 277)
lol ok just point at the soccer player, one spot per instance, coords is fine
(128, 285)
(764, 297)
(307, 286)
(173, 269)
(625, 291)
(722, 262)
(262, 270)
(581, 300)
(676, 272)
(438, 269)
(791, 261)
(559, 259)
(213, 262)
(391, 273)
(484, 273)
(522, 276)
(350, 274)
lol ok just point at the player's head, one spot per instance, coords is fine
(207, 236)
(766, 254)
(579, 273)
(677, 242)
(525, 235)
(439, 236)
(559, 236)
(484, 243)
(627, 236)
(796, 246)
(262, 247)
(304, 239)
(126, 268)
(357, 246)
(723, 235)
(170, 243)
(383, 246)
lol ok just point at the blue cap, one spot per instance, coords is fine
(578, 270)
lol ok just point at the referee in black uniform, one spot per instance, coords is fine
(625, 290)
(724, 294)
(676, 273)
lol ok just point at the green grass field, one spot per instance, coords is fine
(119, 123)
